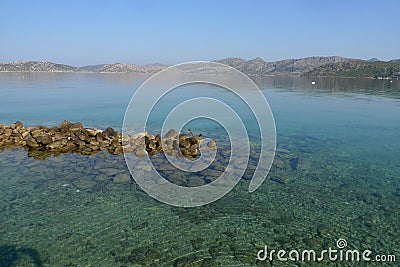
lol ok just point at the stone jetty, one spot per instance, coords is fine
(41, 141)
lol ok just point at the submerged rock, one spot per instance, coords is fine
(293, 163)
(280, 180)
(122, 178)
(212, 143)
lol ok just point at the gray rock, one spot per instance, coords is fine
(280, 180)
(92, 132)
(44, 139)
(57, 145)
(212, 143)
(171, 134)
(278, 163)
(110, 132)
(31, 142)
(19, 124)
(122, 178)
(140, 153)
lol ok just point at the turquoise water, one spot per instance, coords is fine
(336, 175)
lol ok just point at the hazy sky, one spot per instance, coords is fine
(93, 32)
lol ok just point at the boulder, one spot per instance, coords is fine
(171, 134)
(104, 145)
(31, 142)
(193, 151)
(151, 144)
(24, 134)
(69, 147)
(140, 153)
(110, 132)
(128, 149)
(59, 136)
(184, 143)
(57, 145)
(77, 125)
(92, 132)
(212, 143)
(138, 135)
(19, 124)
(118, 150)
(122, 178)
(125, 140)
(44, 139)
(84, 137)
(65, 124)
(65, 127)
(100, 136)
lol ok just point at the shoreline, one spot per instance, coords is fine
(250, 75)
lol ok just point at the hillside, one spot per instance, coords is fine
(37, 66)
(359, 68)
(258, 66)
(124, 67)
(397, 61)
(255, 66)
(310, 66)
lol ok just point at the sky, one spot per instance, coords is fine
(143, 32)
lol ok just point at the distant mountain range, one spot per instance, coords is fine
(310, 66)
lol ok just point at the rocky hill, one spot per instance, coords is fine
(255, 66)
(258, 66)
(124, 67)
(395, 61)
(359, 68)
(37, 66)
(45, 66)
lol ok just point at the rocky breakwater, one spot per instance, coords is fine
(180, 144)
(41, 141)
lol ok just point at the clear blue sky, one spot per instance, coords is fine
(93, 32)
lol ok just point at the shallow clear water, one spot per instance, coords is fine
(336, 175)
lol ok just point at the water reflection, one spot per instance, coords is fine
(331, 85)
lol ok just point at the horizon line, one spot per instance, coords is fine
(166, 64)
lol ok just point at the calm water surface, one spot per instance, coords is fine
(336, 175)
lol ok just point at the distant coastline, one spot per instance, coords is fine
(333, 66)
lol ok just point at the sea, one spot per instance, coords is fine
(334, 183)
